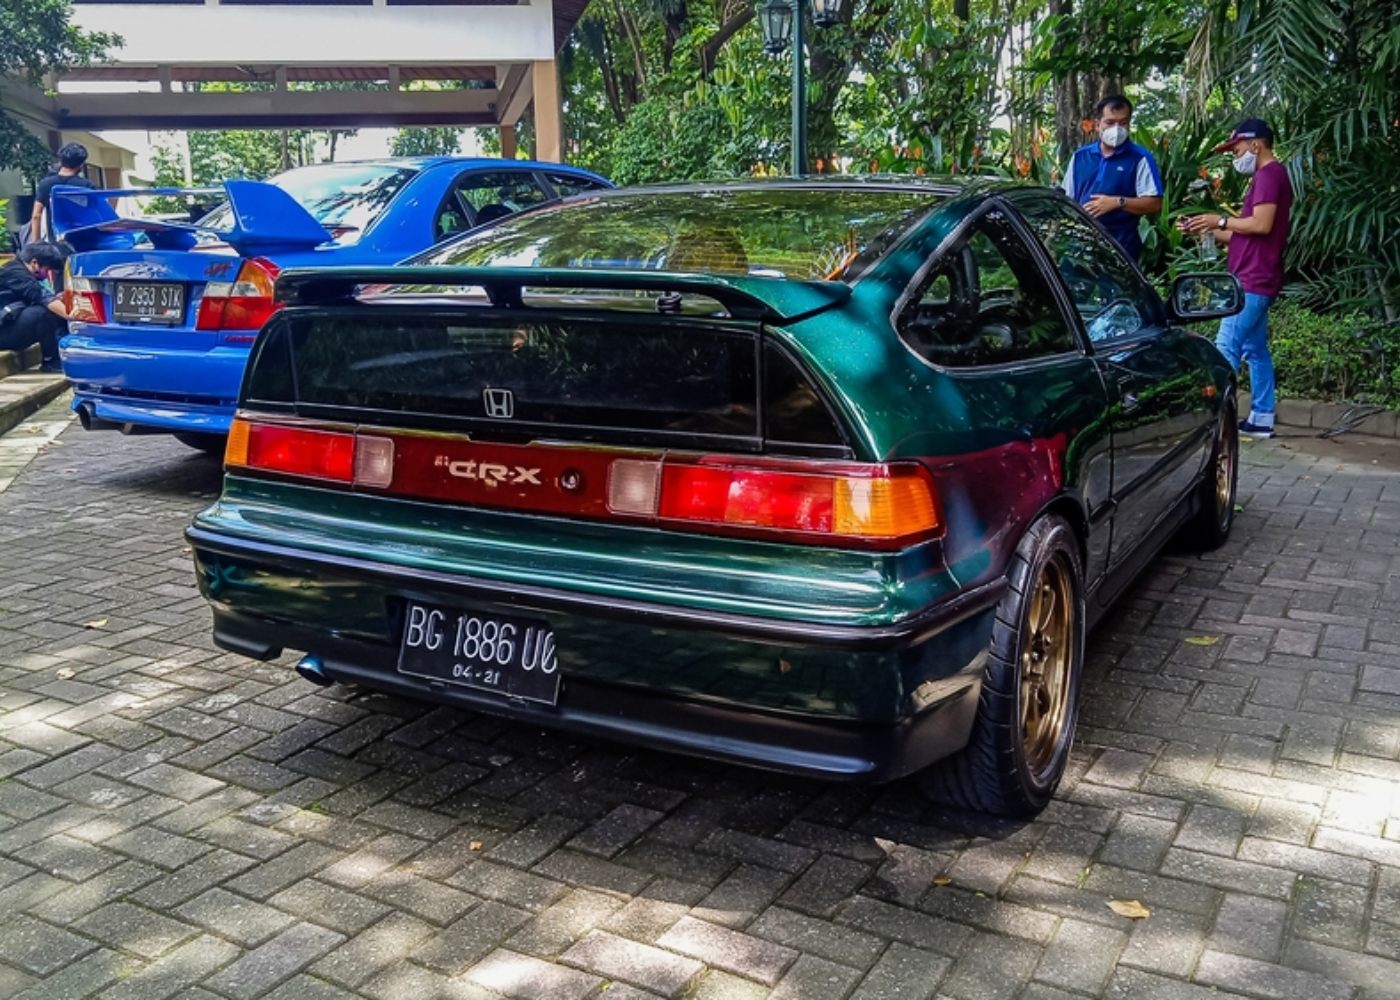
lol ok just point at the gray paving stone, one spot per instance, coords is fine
(258, 971)
(902, 973)
(526, 978)
(1277, 982)
(910, 926)
(242, 920)
(457, 946)
(991, 967)
(614, 957)
(166, 778)
(38, 947)
(174, 973)
(815, 977)
(315, 901)
(1250, 926)
(84, 977)
(135, 929)
(743, 954)
(746, 892)
(390, 941)
(1080, 956)
(554, 930)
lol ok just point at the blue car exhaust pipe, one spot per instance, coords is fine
(313, 670)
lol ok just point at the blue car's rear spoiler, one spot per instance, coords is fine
(266, 219)
(771, 299)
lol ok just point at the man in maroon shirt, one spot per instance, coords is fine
(1256, 239)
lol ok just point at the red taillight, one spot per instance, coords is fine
(85, 303)
(869, 505)
(245, 303)
(336, 456)
(889, 504)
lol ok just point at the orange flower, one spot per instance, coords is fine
(821, 165)
(976, 152)
(920, 170)
(1203, 173)
(1035, 148)
(918, 152)
(1086, 126)
(1023, 165)
(874, 166)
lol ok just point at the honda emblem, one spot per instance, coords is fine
(500, 403)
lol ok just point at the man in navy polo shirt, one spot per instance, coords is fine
(1115, 179)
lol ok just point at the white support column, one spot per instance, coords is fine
(549, 131)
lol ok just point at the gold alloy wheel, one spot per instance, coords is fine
(1227, 454)
(1046, 656)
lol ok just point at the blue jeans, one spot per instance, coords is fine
(1245, 337)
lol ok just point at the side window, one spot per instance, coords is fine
(1113, 299)
(567, 184)
(986, 303)
(479, 198)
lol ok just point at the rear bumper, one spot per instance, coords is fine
(910, 689)
(161, 389)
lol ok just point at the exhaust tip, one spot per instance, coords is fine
(311, 668)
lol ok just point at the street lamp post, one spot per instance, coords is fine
(782, 23)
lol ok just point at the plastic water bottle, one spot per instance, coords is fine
(1208, 250)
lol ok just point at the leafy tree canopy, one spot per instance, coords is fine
(36, 38)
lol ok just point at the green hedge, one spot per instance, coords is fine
(1333, 358)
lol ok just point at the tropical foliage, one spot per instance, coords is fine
(670, 89)
(36, 38)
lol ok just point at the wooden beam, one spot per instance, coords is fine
(276, 109)
(513, 92)
(508, 147)
(549, 131)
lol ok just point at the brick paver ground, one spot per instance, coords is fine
(177, 821)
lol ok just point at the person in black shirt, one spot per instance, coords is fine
(29, 312)
(71, 160)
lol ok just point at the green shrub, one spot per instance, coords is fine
(1334, 357)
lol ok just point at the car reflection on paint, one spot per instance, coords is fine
(825, 477)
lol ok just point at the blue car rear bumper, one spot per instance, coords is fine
(155, 388)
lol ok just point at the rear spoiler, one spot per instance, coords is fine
(266, 219)
(744, 296)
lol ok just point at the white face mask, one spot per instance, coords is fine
(1114, 136)
(1246, 163)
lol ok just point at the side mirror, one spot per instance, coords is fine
(1197, 297)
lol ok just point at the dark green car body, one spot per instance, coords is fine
(854, 661)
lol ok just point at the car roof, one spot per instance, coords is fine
(943, 186)
(427, 162)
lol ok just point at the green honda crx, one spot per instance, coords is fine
(826, 477)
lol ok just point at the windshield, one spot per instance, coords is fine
(808, 232)
(347, 197)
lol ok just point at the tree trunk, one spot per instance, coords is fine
(1068, 110)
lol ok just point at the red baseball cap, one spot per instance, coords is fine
(1250, 128)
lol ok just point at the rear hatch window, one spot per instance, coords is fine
(608, 378)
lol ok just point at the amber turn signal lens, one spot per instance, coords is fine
(894, 507)
(236, 451)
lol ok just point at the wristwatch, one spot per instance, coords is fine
(1122, 201)
(1223, 220)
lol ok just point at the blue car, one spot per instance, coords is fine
(164, 312)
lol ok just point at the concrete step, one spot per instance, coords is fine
(14, 362)
(22, 394)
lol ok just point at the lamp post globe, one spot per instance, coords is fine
(776, 17)
(826, 13)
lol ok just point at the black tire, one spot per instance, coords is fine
(1209, 527)
(210, 444)
(1016, 756)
